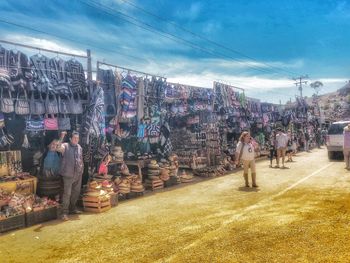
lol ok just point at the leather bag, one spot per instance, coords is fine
(50, 123)
(22, 104)
(64, 123)
(6, 103)
(64, 105)
(51, 104)
(37, 106)
(76, 105)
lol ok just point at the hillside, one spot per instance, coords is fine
(336, 105)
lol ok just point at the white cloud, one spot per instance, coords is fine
(44, 43)
(190, 13)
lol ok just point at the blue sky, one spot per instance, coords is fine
(280, 39)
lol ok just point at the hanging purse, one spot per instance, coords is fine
(76, 106)
(37, 106)
(50, 123)
(35, 124)
(51, 105)
(6, 104)
(63, 105)
(22, 104)
(64, 123)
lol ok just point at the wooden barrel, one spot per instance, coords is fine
(49, 186)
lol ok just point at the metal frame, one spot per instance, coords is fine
(98, 63)
(88, 54)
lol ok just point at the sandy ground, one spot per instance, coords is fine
(299, 214)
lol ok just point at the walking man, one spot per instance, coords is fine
(71, 170)
(282, 140)
(245, 152)
(346, 146)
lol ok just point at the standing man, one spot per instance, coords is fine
(245, 152)
(72, 167)
(346, 146)
(282, 140)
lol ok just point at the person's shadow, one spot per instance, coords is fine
(248, 189)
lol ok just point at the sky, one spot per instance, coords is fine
(252, 44)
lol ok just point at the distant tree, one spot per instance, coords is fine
(316, 85)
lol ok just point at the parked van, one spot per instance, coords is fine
(335, 138)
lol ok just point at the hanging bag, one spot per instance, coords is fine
(6, 104)
(64, 105)
(22, 104)
(76, 106)
(37, 106)
(50, 123)
(64, 123)
(51, 105)
(34, 124)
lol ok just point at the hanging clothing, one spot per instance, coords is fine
(106, 80)
(141, 131)
(59, 77)
(41, 74)
(76, 77)
(140, 98)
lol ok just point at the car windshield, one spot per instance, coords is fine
(336, 128)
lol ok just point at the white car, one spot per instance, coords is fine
(335, 138)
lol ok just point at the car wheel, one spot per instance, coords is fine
(330, 155)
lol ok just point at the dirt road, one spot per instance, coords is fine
(300, 214)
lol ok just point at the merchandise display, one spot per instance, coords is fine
(149, 127)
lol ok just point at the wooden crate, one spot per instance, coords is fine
(37, 217)
(96, 204)
(154, 184)
(12, 223)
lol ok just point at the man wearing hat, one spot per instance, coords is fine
(71, 170)
(346, 146)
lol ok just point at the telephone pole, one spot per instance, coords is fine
(299, 83)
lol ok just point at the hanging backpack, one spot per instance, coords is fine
(22, 104)
(6, 104)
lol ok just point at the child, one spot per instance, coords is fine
(103, 169)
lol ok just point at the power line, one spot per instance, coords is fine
(83, 43)
(204, 38)
(66, 38)
(150, 28)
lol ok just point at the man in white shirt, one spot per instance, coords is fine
(245, 153)
(282, 141)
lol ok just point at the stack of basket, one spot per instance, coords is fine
(153, 180)
(124, 185)
(173, 174)
(136, 185)
(186, 178)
